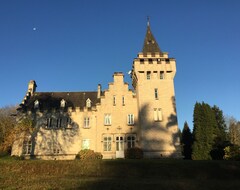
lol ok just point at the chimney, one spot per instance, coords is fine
(99, 91)
(32, 87)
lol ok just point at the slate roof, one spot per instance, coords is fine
(150, 44)
(49, 100)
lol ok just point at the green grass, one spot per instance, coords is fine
(119, 174)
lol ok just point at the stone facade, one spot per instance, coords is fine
(108, 121)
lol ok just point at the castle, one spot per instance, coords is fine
(107, 121)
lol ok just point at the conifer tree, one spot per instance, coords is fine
(203, 132)
(220, 136)
(187, 141)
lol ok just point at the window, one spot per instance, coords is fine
(88, 103)
(86, 122)
(27, 147)
(156, 93)
(54, 147)
(119, 144)
(150, 61)
(123, 100)
(62, 103)
(107, 143)
(141, 61)
(85, 144)
(157, 114)
(36, 104)
(130, 119)
(148, 75)
(131, 141)
(107, 119)
(114, 100)
(49, 122)
(59, 123)
(161, 74)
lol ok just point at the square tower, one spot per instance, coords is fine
(153, 80)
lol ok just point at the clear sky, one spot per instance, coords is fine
(72, 45)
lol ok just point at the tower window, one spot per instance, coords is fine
(156, 93)
(157, 114)
(123, 100)
(114, 100)
(150, 61)
(142, 61)
(130, 119)
(148, 75)
(161, 74)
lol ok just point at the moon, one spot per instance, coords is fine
(34, 28)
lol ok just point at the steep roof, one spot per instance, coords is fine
(49, 100)
(150, 44)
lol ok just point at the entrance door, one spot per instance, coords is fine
(119, 147)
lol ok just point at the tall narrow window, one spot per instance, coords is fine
(157, 114)
(156, 93)
(114, 100)
(161, 74)
(59, 122)
(49, 122)
(131, 140)
(86, 122)
(148, 75)
(27, 146)
(130, 119)
(123, 100)
(107, 143)
(107, 119)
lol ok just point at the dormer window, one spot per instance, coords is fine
(36, 104)
(62, 103)
(88, 103)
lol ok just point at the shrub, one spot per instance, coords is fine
(134, 153)
(232, 153)
(89, 155)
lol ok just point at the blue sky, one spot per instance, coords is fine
(80, 43)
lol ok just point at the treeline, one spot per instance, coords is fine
(214, 137)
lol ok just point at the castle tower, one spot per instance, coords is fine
(152, 78)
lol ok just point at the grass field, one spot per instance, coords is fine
(119, 174)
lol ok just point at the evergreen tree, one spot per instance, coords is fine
(203, 132)
(187, 141)
(220, 136)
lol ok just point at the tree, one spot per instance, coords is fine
(234, 131)
(187, 141)
(203, 131)
(7, 124)
(10, 129)
(220, 136)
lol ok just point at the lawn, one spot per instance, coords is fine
(119, 174)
